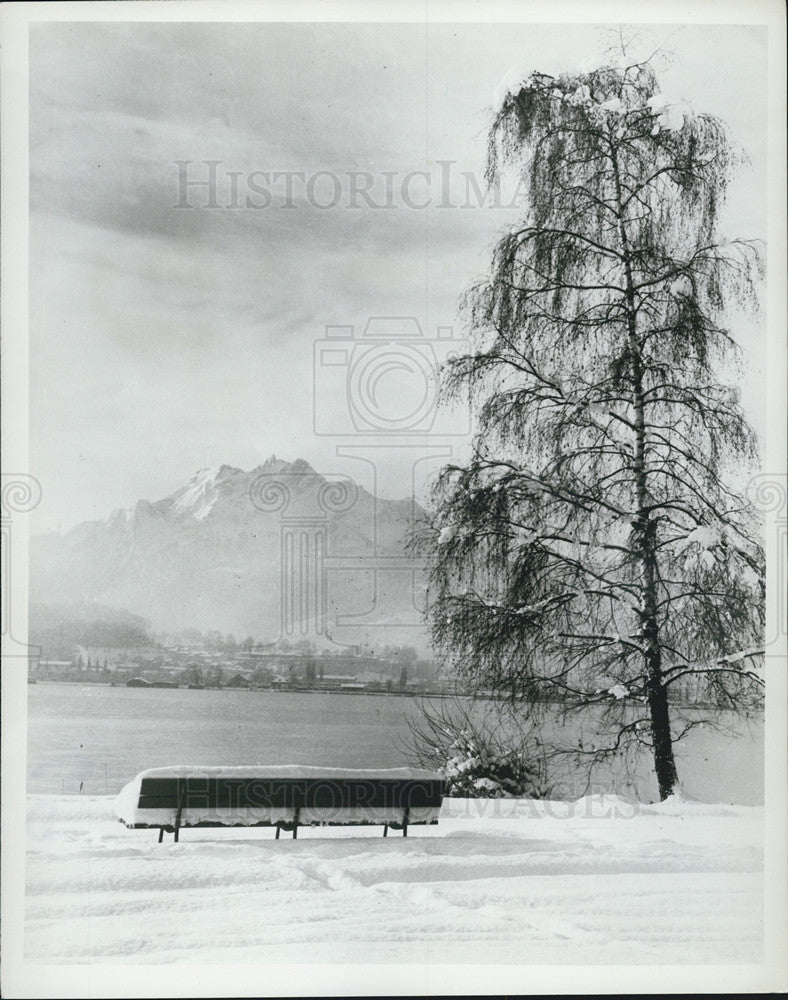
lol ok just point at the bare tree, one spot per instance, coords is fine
(595, 551)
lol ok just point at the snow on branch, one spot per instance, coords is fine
(723, 665)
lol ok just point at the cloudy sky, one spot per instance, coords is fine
(164, 339)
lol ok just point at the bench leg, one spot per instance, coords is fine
(295, 823)
(161, 834)
(385, 829)
(405, 823)
(278, 831)
(181, 796)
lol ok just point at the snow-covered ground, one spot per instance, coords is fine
(601, 881)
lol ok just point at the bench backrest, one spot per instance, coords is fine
(289, 793)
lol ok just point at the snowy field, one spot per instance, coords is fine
(596, 881)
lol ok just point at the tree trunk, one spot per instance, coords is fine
(645, 537)
(664, 762)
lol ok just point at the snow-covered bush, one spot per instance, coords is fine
(483, 749)
(474, 771)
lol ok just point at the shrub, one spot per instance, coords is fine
(483, 749)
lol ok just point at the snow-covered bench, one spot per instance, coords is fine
(286, 797)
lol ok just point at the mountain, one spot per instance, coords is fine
(208, 556)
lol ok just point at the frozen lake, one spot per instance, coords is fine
(100, 737)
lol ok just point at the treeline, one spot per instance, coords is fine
(59, 626)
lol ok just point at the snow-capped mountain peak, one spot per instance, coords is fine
(208, 555)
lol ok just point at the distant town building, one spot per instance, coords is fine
(337, 680)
